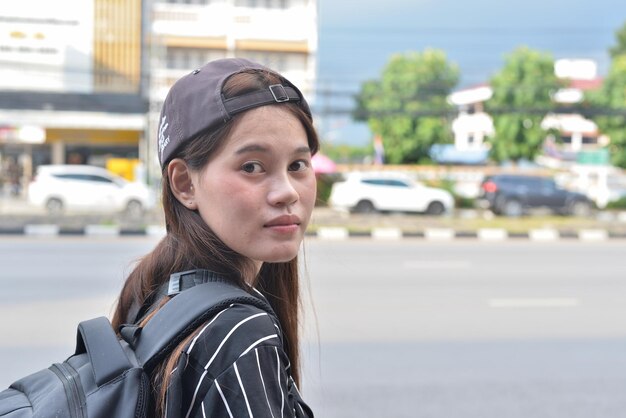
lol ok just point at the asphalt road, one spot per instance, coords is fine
(469, 329)
(404, 328)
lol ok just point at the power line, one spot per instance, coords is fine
(378, 31)
(452, 113)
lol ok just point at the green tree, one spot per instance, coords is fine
(345, 153)
(407, 106)
(522, 95)
(610, 103)
(620, 48)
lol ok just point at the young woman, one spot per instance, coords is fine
(235, 146)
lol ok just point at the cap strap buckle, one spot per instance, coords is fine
(279, 93)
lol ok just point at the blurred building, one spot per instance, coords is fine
(471, 128)
(577, 149)
(82, 81)
(70, 82)
(578, 137)
(281, 34)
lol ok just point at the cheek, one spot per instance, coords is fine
(237, 196)
(309, 191)
(228, 209)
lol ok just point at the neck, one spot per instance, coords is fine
(251, 271)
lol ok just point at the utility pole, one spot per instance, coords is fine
(153, 57)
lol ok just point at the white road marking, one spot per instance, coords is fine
(332, 233)
(437, 264)
(543, 234)
(439, 234)
(386, 233)
(533, 302)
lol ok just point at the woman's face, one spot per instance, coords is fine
(257, 191)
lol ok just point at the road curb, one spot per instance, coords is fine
(337, 233)
(543, 234)
(492, 234)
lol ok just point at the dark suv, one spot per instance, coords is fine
(512, 195)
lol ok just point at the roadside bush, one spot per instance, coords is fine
(617, 204)
(324, 185)
(460, 202)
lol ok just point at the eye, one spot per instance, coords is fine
(299, 165)
(252, 167)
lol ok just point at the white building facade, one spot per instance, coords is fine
(83, 80)
(61, 99)
(473, 125)
(578, 149)
(281, 34)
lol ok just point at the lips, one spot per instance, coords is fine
(284, 220)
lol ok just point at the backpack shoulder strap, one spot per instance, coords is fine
(96, 338)
(185, 312)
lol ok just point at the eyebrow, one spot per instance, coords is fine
(260, 148)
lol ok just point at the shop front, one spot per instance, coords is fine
(37, 138)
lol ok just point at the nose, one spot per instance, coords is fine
(282, 191)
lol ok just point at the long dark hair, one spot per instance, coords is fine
(190, 243)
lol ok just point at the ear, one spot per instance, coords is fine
(181, 183)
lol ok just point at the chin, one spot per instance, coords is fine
(279, 255)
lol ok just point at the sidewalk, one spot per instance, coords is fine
(10, 205)
(16, 213)
(467, 224)
(17, 217)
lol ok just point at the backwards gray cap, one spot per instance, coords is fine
(195, 103)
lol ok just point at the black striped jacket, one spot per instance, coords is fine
(236, 368)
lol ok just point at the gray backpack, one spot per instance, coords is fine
(108, 377)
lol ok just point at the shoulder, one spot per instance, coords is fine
(232, 333)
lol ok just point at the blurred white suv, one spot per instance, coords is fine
(59, 188)
(395, 192)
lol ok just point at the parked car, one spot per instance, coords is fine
(58, 188)
(513, 195)
(370, 192)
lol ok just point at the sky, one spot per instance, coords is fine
(357, 37)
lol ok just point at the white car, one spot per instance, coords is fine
(396, 192)
(58, 188)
